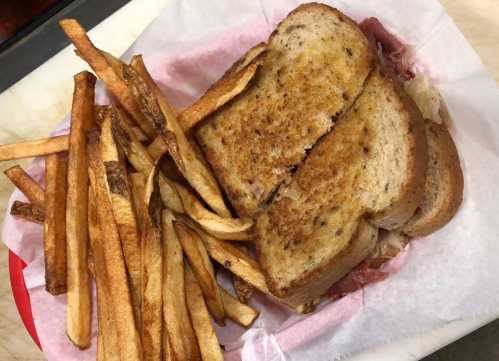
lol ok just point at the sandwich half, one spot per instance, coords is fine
(315, 65)
(369, 171)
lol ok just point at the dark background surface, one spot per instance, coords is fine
(481, 345)
(42, 38)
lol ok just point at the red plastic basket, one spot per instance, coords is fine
(21, 296)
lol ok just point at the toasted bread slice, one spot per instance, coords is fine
(313, 68)
(444, 184)
(372, 165)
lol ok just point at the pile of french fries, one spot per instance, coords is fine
(130, 203)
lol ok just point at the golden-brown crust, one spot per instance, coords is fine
(253, 187)
(309, 211)
(450, 190)
(28, 212)
(325, 7)
(306, 291)
(413, 189)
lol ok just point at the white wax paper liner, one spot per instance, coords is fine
(447, 276)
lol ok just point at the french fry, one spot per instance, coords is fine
(137, 63)
(129, 345)
(27, 185)
(137, 155)
(107, 347)
(55, 223)
(157, 148)
(223, 91)
(91, 264)
(143, 96)
(114, 62)
(235, 229)
(105, 71)
(238, 311)
(219, 94)
(139, 134)
(175, 196)
(135, 152)
(78, 283)
(167, 347)
(232, 259)
(101, 356)
(202, 267)
(103, 110)
(124, 215)
(138, 183)
(34, 148)
(168, 167)
(152, 271)
(243, 289)
(205, 334)
(176, 316)
(28, 212)
(194, 170)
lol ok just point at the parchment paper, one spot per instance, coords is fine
(450, 275)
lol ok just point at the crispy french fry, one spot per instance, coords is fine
(175, 196)
(238, 311)
(27, 185)
(55, 223)
(139, 134)
(157, 148)
(237, 262)
(93, 56)
(223, 91)
(91, 263)
(114, 62)
(101, 355)
(28, 212)
(143, 96)
(135, 152)
(138, 183)
(34, 148)
(243, 289)
(232, 259)
(167, 347)
(107, 347)
(137, 63)
(219, 94)
(137, 155)
(194, 170)
(205, 334)
(79, 292)
(168, 167)
(176, 316)
(202, 267)
(152, 261)
(129, 345)
(124, 215)
(234, 229)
